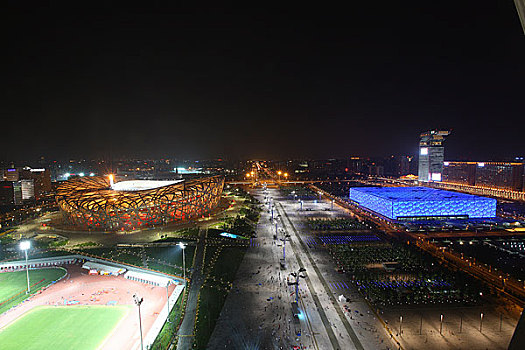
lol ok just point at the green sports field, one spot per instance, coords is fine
(62, 327)
(14, 284)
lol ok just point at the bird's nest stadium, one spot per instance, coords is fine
(96, 203)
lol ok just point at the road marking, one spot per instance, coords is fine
(345, 322)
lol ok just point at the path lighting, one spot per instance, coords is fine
(25, 245)
(138, 300)
(183, 246)
(480, 322)
(168, 300)
(286, 237)
(441, 324)
(297, 276)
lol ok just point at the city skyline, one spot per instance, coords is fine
(298, 176)
(198, 82)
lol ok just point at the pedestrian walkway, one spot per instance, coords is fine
(186, 330)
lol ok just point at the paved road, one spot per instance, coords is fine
(257, 313)
(362, 328)
(355, 341)
(186, 330)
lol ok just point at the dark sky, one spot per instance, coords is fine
(164, 81)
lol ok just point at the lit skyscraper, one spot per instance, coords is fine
(431, 155)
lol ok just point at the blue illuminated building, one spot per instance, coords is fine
(422, 203)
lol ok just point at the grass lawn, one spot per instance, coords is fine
(15, 284)
(62, 327)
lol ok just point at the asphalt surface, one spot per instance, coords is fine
(186, 330)
(257, 313)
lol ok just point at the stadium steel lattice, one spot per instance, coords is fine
(92, 202)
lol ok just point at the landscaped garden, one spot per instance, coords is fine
(390, 274)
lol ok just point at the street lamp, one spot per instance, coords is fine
(183, 246)
(284, 239)
(168, 300)
(25, 245)
(480, 322)
(279, 173)
(297, 275)
(441, 324)
(138, 300)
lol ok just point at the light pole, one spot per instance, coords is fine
(168, 301)
(441, 324)
(297, 275)
(279, 173)
(400, 323)
(25, 245)
(480, 322)
(284, 246)
(183, 246)
(138, 300)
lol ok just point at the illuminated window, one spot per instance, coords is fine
(424, 151)
(436, 177)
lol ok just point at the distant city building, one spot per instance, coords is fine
(376, 170)
(10, 193)
(28, 189)
(10, 174)
(41, 180)
(355, 165)
(396, 166)
(422, 203)
(35, 183)
(499, 175)
(431, 155)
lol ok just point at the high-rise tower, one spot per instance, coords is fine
(431, 155)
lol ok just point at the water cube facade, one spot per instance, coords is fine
(402, 203)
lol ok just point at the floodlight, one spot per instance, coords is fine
(25, 245)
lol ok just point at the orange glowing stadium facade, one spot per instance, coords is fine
(96, 203)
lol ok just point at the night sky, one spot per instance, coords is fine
(317, 82)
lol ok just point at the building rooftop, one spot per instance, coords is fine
(141, 185)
